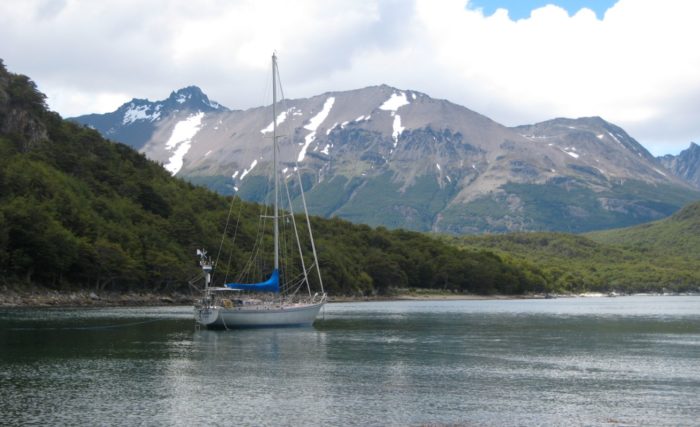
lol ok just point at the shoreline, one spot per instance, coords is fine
(139, 299)
(433, 297)
(84, 298)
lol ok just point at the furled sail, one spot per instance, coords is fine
(270, 285)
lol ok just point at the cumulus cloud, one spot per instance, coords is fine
(637, 66)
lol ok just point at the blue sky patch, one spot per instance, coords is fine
(519, 9)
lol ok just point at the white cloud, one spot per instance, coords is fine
(637, 67)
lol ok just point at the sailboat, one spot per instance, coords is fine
(266, 303)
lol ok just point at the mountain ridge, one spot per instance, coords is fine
(131, 123)
(386, 156)
(686, 165)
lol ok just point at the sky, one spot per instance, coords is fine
(633, 62)
(521, 9)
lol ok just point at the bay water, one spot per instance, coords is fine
(565, 361)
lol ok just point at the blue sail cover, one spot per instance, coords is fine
(270, 285)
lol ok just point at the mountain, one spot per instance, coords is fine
(135, 122)
(399, 158)
(686, 165)
(81, 212)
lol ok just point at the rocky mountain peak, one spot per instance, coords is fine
(685, 165)
(602, 141)
(136, 121)
(194, 98)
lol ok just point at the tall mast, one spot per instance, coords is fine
(274, 159)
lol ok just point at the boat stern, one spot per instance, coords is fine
(206, 316)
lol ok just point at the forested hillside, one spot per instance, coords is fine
(677, 236)
(80, 212)
(658, 256)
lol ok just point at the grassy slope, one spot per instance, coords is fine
(660, 255)
(677, 236)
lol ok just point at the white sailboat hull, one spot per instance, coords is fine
(257, 317)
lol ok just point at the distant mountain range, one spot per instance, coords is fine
(399, 158)
(686, 165)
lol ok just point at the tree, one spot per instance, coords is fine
(385, 273)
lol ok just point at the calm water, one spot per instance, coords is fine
(595, 361)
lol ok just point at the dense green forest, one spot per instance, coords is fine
(658, 256)
(80, 212)
(676, 236)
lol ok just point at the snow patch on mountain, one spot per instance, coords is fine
(280, 119)
(571, 151)
(140, 113)
(534, 137)
(330, 129)
(247, 171)
(395, 101)
(397, 129)
(180, 141)
(313, 124)
(213, 104)
(614, 138)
